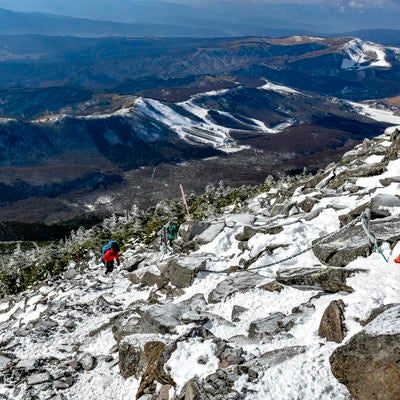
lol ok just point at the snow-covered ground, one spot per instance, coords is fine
(375, 113)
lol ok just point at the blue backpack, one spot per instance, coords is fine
(111, 244)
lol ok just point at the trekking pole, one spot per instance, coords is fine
(185, 203)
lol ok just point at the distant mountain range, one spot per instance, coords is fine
(156, 19)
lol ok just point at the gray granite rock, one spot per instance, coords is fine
(39, 378)
(368, 364)
(183, 270)
(349, 243)
(331, 280)
(240, 282)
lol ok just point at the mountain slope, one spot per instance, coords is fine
(238, 314)
(87, 156)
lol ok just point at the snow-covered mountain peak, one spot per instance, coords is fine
(359, 55)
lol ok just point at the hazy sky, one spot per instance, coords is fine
(331, 16)
(35, 4)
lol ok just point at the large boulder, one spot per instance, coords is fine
(165, 318)
(246, 233)
(344, 246)
(183, 270)
(332, 323)
(270, 359)
(210, 233)
(380, 206)
(148, 276)
(267, 327)
(240, 282)
(393, 151)
(157, 354)
(132, 356)
(369, 364)
(330, 280)
(190, 229)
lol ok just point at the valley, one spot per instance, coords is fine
(91, 126)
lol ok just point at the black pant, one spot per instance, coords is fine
(110, 267)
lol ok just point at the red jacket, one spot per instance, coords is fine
(110, 255)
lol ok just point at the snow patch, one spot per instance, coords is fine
(278, 88)
(361, 55)
(375, 113)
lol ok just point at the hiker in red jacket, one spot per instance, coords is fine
(109, 256)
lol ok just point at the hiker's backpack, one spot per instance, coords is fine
(111, 244)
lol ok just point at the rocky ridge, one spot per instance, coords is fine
(289, 287)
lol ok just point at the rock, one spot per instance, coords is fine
(393, 151)
(163, 318)
(307, 204)
(132, 357)
(271, 359)
(380, 206)
(239, 283)
(39, 378)
(126, 324)
(369, 363)
(157, 354)
(88, 362)
(62, 384)
(247, 233)
(241, 219)
(101, 304)
(195, 303)
(346, 245)
(273, 229)
(363, 170)
(376, 312)
(190, 229)
(6, 360)
(148, 276)
(272, 286)
(237, 311)
(228, 355)
(69, 324)
(210, 233)
(332, 323)
(266, 327)
(281, 207)
(389, 181)
(71, 274)
(217, 386)
(182, 271)
(27, 364)
(330, 280)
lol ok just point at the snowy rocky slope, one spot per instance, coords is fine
(273, 302)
